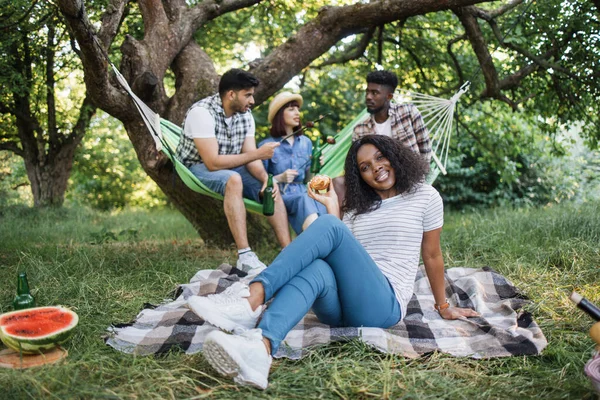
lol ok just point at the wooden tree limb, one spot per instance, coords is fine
(93, 58)
(12, 147)
(466, 15)
(331, 25)
(111, 21)
(195, 78)
(353, 52)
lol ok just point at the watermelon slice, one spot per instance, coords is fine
(35, 330)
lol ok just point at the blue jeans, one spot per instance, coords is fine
(327, 268)
(217, 180)
(298, 205)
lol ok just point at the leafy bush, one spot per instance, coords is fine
(14, 185)
(107, 174)
(522, 166)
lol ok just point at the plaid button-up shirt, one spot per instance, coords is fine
(407, 127)
(230, 137)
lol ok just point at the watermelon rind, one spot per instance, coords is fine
(29, 345)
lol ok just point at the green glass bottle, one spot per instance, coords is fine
(315, 164)
(23, 299)
(268, 202)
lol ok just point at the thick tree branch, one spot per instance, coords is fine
(12, 147)
(466, 15)
(331, 25)
(353, 52)
(211, 9)
(111, 21)
(95, 65)
(195, 78)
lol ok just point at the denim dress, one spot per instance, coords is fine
(296, 200)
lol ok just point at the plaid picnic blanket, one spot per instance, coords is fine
(504, 328)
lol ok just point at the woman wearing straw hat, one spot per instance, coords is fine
(290, 164)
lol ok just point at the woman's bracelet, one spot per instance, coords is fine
(440, 307)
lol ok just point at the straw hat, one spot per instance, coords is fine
(281, 100)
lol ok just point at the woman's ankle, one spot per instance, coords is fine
(257, 295)
(267, 344)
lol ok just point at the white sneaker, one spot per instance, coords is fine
(227, 310)
(250, 261)
(241, 357)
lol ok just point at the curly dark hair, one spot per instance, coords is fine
(385, 78)
(409, 167)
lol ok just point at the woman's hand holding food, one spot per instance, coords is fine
(320, 188)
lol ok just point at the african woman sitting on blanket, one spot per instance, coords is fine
(359, 272)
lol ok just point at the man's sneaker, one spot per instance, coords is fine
(242, 357)
(227, 310)
(249, 260)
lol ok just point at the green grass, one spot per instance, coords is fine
(106, 266)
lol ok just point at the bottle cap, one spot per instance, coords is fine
(576, 297)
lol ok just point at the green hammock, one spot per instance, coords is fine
(333, 158)
(437, 118)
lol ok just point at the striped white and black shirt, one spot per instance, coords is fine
(393, 233)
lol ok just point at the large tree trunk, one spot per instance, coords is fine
(49, 177)
(205, 213)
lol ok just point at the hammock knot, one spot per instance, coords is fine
(463, 89)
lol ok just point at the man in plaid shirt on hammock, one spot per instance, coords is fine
(219, 148)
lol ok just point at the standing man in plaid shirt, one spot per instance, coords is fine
(219, 148)
(402, 122)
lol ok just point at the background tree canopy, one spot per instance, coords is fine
(533, 65)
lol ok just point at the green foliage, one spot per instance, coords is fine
(25, 46)
(107, 173)
(500, 156)
(233, 39)
(545, 170)
(14, 186)
(105, 235)
(545, 252)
